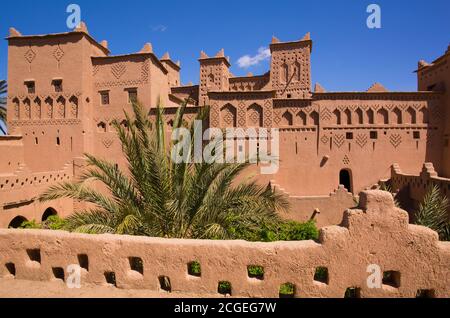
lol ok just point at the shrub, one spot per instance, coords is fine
(255, 271)
(224, 288)
(281, 231)
(194, 268)
(30, 225)
(287, 290)
(54, 222)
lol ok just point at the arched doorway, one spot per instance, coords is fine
(345, 178)
(47, 213)
(16, 222)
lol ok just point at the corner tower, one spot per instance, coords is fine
(214, 75)
(291, 68)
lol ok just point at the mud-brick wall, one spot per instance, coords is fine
(375, 233)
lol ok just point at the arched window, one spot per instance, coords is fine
(348, 116)
(411, 115)
(17, 222)
(286, 119)
(254, 116)
(314, 118)
(337, 116)
(303, 119)
(397, 116)
(360, 116)
(370, 116)
(48, 212)
(382, 116)
(228, 116)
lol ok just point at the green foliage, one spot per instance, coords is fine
(432, 213)
(255, 271)
(54, 222)
(224, 288)
(30, 225)
(194, 268)
(287, 289)
(158, 197)
(276, 231)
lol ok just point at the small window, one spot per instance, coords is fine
(31, 87)
(373, 135)
(57, 84)
(391, 278)
(132, 95)
(58, 141)
(104, 97)
(289, 95)
(416, 134)
(349, 135)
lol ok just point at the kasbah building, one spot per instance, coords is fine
(64, 91)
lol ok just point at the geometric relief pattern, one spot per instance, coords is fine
(118, 70)
(277, 117)
(241, 114)
(325, 114)
(346, 160)
(267, 114)
(228, 116)
(395, 140)
(30, 55)
(58, 53)
(254, 116)
(361, 140)
(215, 116)
(338, 140)
(324, 139)
(107, 142)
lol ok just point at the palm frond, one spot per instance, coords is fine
(155, 196)
(433, 212)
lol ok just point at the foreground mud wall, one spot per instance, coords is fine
(375, 233)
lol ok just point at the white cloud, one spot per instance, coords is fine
(247, 60)
(159, 28)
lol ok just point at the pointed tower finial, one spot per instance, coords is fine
(422, 63)
(178, 63)
(147, 48)
(306, 37)
(275, 39)
(14, 32)
(377, 88)
(319, 89)
(203, 55)
(104, 43)
(166, 56)
(82, 27)
(221, 53)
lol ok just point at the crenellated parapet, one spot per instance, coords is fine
(376, 235)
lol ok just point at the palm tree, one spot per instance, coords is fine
(3, 90)
(157, 197)
(433, 213)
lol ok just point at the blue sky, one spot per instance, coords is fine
(347, 56)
